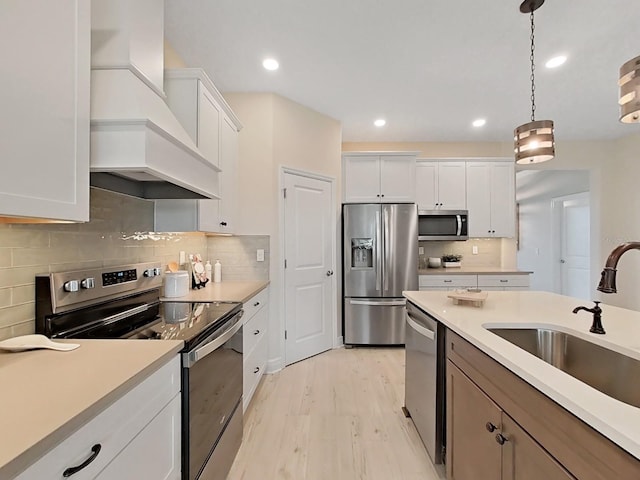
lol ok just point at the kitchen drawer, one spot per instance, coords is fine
(113, 429)
(448, 280)
(254, 304)
(254, 330)
(506, 281)
(254, 366)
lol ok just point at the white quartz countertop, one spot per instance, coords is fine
(472, 271)
(616, 420)
(221, 292)
(47, 395)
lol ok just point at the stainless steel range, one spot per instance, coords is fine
(124, 302)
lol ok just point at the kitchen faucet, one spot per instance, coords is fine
(608, 278)
(596, 326)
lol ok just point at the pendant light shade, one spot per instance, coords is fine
(534, 142)
(630, 91)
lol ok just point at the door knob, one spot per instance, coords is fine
(329, 273)
(562, 261)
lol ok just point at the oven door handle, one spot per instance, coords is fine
(191, 358)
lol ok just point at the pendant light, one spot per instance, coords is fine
(630, 91)
(533, 141)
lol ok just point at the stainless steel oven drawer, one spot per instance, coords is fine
(223, 455)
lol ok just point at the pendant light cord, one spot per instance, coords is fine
(533, 67)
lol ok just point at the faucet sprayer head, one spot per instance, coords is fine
(608, 281)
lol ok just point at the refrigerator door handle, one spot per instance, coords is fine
(459, 222)
(385, 273)
(378, 253)
(390, 303)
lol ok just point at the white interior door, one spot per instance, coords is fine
(574, 228)
(309, 273)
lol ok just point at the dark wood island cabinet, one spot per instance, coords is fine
(501, 428)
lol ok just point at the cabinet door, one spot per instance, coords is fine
(524, 459)
(362, 179)
(228, 177)
(426, 185)
(472, 450)
(452, 181)
(208, 126)
(397, 178)
(479, 199)
(154, 452)
(503, 215)
(44, 133)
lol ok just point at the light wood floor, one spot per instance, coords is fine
(332, 417)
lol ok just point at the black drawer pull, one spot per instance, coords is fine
(224, 224)
(256, 370)
(447, 281)
(73, 470)
(256, 332)
(256, 304)
(504, 281)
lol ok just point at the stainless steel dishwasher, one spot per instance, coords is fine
(424, 399)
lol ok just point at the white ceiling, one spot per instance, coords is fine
(429, 67)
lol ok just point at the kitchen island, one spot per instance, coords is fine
(47, 395)
(617, 421)
(508, 410)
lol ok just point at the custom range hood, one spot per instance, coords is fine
(138, 147)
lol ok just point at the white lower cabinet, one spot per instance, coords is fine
(482, 281)
(136, 437)
(254, 348)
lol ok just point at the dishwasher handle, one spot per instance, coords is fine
(425, 332)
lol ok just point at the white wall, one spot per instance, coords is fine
(534, 193)
(279, 133)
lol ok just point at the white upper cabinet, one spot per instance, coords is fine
(491, 198)
(44, 135)
(379, 177)
(441, 185)
(213, 126)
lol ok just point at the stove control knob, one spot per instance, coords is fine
(150, 272)
(88, 283)
(71, 286)
(157, 272)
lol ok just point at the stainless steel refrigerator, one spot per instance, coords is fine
(380, 260)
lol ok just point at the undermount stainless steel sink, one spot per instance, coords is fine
(612, 373)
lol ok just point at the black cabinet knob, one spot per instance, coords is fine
(490, 426)
(501, 439)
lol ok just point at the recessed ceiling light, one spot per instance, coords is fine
(381, 122)
(556, 61)
(270, 64)
(479, 122)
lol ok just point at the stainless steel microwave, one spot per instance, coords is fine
(443, 225)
